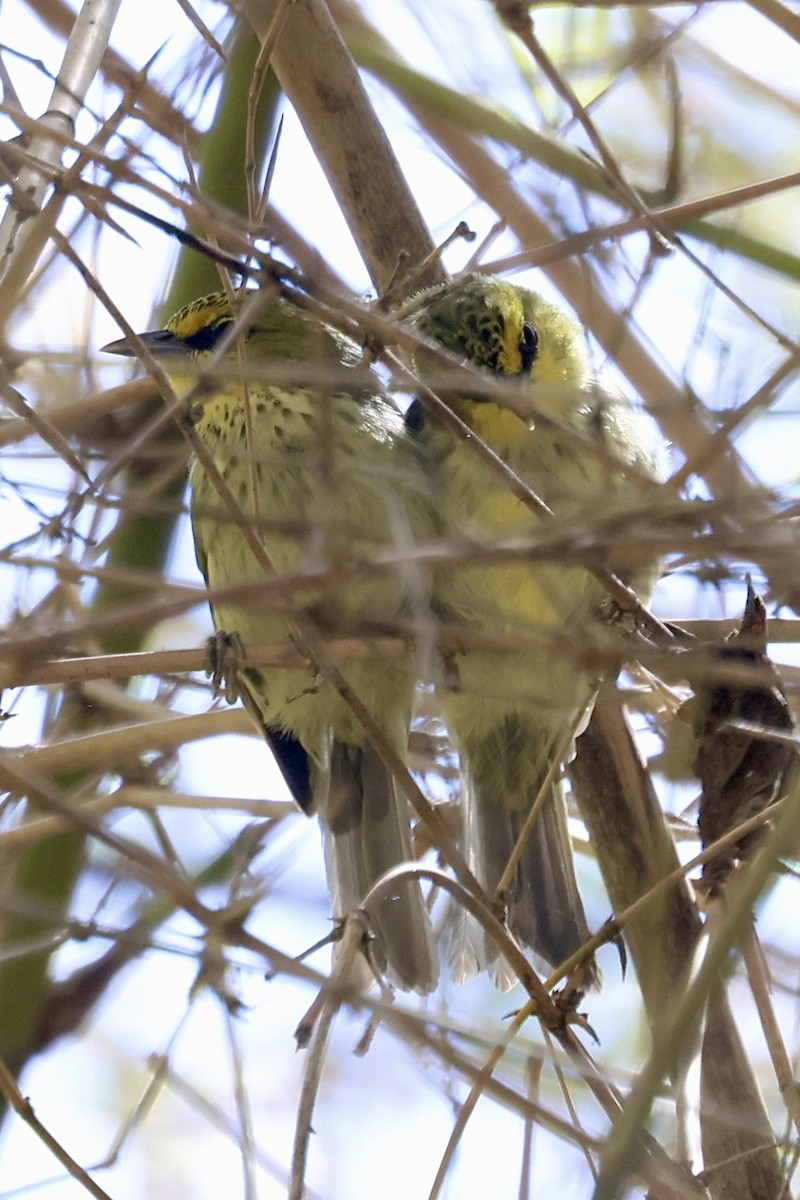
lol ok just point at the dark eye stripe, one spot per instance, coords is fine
(528, 347)
(207, 337)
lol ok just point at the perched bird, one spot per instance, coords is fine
(327, 477)
(740, 772)
(511, 713)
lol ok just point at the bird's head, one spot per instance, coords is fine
(193, 330)
(506, 329)
(276, 329)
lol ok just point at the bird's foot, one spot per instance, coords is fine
(224, 657)
(614, 613)
(566, 1001)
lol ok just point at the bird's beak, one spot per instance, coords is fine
(159, 342)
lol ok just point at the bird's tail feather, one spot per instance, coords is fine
(366, 832)
(544, 908)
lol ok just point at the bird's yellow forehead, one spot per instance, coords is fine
(198, 315)
(510, 349)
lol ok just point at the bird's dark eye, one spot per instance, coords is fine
(528, 347)
(207, 337)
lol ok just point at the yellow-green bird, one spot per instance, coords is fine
(327, 477)
(511, 713)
